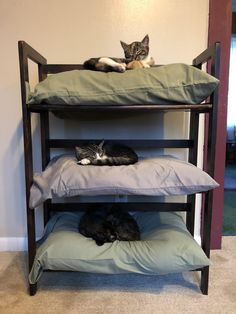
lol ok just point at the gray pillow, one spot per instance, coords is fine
(162, 175)
(157, 85)
(165, 247)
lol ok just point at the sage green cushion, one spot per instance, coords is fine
(157, 85)
(165, 247)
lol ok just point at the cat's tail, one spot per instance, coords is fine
(90, 64)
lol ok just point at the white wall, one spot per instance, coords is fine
(69, 32)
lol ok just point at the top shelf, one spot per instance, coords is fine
(26, 53)
(206, 107)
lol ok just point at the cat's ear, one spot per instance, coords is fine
(78, 151)
(124, 45)
(100, 145)
(145, 40)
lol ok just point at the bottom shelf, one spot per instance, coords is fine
(166, 246)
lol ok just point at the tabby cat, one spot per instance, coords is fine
(105, 154)
(137, 50)
(108, 224)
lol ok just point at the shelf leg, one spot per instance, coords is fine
(32, 289)
(204, 280)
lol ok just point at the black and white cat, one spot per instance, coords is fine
(107, 224)
(105, 154)
(137, 50)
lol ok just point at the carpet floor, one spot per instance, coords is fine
(116, 294)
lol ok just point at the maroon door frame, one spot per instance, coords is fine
(220, 19)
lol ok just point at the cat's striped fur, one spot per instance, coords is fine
(137, 50)
(105, 154)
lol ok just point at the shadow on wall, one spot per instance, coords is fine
(14, 216)
(13, 189)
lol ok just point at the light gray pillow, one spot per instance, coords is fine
(162, 175)
(165, 247)
(165, 84)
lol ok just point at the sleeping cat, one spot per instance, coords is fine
(108, 224)
(137, 50)
(105, 154)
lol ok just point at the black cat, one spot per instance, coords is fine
(105, 154)
(108, 224)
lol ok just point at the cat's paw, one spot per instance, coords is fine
(121, 67)
(84, 161)
(145, 65)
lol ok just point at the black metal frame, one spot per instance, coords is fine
(211, 54)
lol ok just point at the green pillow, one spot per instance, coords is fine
(165, 247)
(157, 85)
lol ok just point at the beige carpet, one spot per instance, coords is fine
(113, 294)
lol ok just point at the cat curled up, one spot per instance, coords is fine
(136, 51)
(105, 153)
(108, 223)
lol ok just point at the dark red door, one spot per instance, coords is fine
(220, 19)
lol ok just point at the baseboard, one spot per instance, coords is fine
(13, 244)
